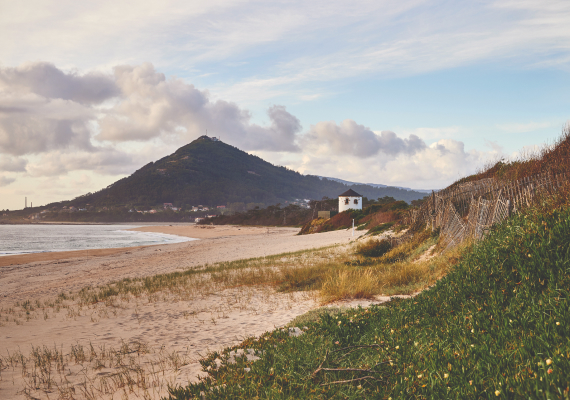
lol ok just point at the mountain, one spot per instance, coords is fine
(210, 172)
(377, 185)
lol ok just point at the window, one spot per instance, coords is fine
(346, 201)
(355, 201)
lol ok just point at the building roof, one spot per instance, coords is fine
(350, 193)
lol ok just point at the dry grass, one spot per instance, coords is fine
(90, 372)
(374, 248)
(551, 158)
(337, 272)
(402, 277)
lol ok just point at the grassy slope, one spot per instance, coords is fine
(496, 326)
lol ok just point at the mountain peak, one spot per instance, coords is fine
(210, 172)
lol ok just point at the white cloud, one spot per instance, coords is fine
(46, 80)
(431, 167)
(353, 139)
(287, 45)
(70, 116)
(153, 106)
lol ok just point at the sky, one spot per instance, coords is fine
(405, 93)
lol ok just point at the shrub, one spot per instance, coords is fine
(374, 248)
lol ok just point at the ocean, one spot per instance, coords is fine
(24, 239)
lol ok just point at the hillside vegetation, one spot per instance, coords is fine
(493, 324)
(551, 159)
(376, 217)
(214, 173)
(385, 211)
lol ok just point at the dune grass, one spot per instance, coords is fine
(496, 326)
(333, 273)
(327, 274)
(132, 368)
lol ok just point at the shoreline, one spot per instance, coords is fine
(93, 223)
(37, 275)
(176, 329)
(20, 259)
(192, 231)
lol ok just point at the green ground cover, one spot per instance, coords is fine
(497, 326)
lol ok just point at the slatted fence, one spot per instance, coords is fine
(470, 209)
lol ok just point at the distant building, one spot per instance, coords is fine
(221, 206)
(213, 139)
(198, 219)
(195, 209)
(210, 215)
(349, 200)
(205, 209)
(152, 211)
(167, 205)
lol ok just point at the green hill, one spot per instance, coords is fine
(210, 172)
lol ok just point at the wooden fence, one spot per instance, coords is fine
(470, 209)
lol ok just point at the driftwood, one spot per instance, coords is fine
(320, 368)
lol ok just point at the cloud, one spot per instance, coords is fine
(350, 138)
(46, 80)
(43, 109)
(140, 115)
(31, 132)
(12, 164)
(152, 106)
(4, 181)
(431, 167)
(106, 161)
(279, 136)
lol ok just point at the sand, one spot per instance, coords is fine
(32, 276)
(174, 333)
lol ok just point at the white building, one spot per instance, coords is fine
(349, 200)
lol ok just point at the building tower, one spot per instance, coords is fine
(349, 200)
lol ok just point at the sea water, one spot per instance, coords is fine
(24, 239)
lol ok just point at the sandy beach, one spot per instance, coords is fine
(170, 333)
(31, 276)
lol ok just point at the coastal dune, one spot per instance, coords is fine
(160, 337)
